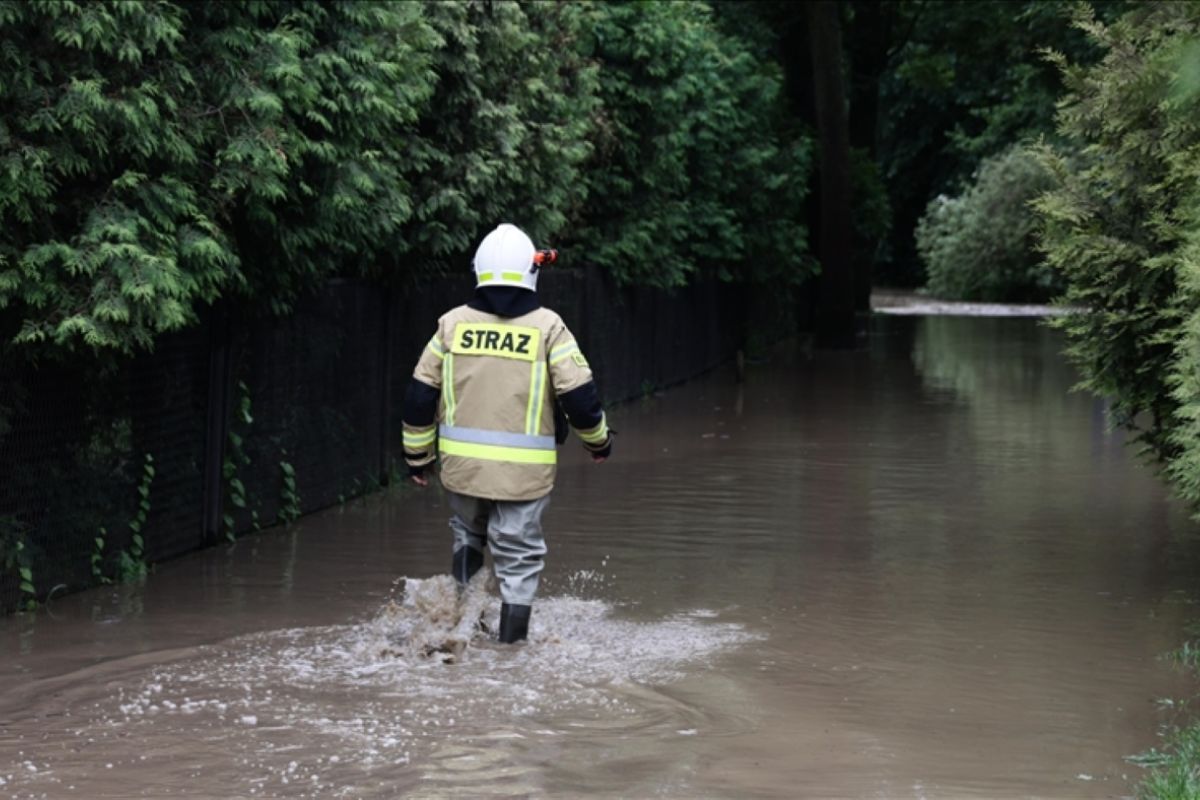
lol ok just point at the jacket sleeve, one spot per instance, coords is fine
(576, 391)
(421, 406)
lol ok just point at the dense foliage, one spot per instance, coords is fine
(980, 245)
(695, 164)
(965, 81)
(1120, 225)
(158, 155)
(505, 132)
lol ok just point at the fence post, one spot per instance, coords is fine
(385, 372)
(217, 422)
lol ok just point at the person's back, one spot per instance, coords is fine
(486, 391)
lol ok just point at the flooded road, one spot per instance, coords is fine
(922, 570)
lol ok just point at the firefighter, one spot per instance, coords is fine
(489, 396)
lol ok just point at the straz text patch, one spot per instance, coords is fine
(495, 339)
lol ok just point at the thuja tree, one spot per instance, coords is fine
(1184, 467)
(694, 167)
(1118, 221)
(505, 133)
(154, 155)
(1183, 103)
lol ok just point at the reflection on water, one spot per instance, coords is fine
(923, 570)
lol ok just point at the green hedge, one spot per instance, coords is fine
(156, 155)
(1121, 226)
(695, 166)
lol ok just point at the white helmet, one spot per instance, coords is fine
(505, 258)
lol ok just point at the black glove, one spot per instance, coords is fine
(603, 450)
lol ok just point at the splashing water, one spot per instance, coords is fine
(435, 618)
(336, 710)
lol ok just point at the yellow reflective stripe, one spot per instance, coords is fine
(529, 403)
(416, 441)
(559, 353)
(535, 422)
(512, 277)
(448, 386)
(495, 452)
(596, 435)
(436, 347)
(421, 459)
(595, 438)
(533, 381)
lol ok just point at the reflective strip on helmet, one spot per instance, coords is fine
(448, 386)
(537, 384)
(436, 347)
(497, 438)
(492, 452)
(419, 441)
(562, 351)
(511, 277)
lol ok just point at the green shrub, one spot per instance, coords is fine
(157, 155)
(695, 166)
(1117, 222)
(981, 244)
(504, 134)
(1184, 435)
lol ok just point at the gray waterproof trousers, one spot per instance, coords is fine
(513, 532)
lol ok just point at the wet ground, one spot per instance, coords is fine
(925, 569)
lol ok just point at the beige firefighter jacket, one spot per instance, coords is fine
(495, 418)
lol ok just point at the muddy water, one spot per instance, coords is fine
(920, 570)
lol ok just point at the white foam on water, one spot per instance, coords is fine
(326, 708)
(934, 307)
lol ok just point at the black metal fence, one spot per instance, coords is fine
(241, 422)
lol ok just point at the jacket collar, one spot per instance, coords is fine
(504, 301)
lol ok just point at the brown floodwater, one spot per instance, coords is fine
(925, 569)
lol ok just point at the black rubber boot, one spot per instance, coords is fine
(514, 623)
(467, 561)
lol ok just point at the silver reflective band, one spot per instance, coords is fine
(500, 438)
